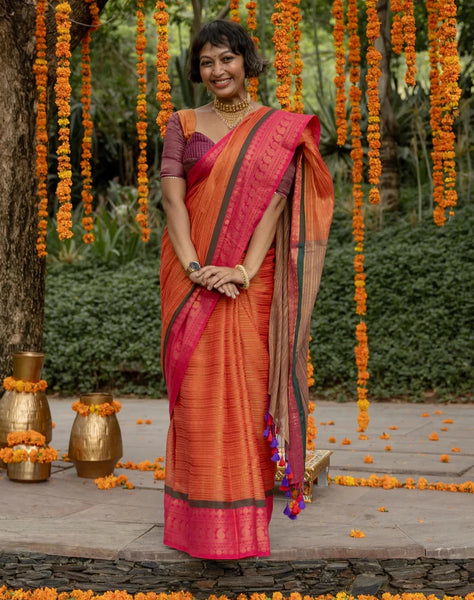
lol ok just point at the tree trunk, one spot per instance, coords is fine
(22, 273)
(390, 180)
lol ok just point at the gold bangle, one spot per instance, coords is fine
(245, 276)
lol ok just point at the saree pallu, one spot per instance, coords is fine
(215, 350)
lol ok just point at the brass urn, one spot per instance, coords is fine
(22, 411)
(27, 471)
(95, 443)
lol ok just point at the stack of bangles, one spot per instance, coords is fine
(245, 276)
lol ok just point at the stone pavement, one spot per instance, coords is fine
(68, 516)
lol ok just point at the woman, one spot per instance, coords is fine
(248, 203)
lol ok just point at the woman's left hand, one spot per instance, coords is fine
(223, 279)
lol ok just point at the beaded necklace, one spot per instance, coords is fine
(231, 114)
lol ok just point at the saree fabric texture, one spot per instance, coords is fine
(223, 360)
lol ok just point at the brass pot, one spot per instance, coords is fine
(95, 443)
(27, 471)
(20, 411)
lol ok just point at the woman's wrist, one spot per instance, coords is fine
(245, 276)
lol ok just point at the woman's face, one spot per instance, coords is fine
(222, 71)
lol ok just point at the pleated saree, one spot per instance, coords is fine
(229, 363)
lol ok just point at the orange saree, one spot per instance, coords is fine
(216, 353)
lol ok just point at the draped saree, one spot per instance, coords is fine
(227, 363)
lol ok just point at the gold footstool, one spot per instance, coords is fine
(317, 462)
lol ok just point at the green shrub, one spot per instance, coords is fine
(102, 322)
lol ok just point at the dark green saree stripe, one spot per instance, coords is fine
(300, 269)
(217, 504)
(230, 187)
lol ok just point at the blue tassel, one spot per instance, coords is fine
(266, 433)
(276, 457)
(284, 481)
(301, 504)
(274, 443)
(292, 517)
(287, 510)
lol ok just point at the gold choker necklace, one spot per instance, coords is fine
(232, 114)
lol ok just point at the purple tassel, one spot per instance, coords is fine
(288, 469)
(276, 457)
(274, 443)
(284, 481)
(266, 433)
(292, 517)
(287, 510)
(288, 494)
(301, 504)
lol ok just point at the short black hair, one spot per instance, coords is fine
(226, 33)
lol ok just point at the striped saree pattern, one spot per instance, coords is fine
(215, 350)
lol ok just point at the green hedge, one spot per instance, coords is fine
(102, 325)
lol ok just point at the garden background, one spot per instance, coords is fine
(102, 308)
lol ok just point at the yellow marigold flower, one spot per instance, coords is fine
(357, 533)
(382, 509)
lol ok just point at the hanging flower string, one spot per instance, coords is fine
(448, 94)
(340, 78)
(297, 69)
(281, 20)
(373, 100)
(409, 36)
(63, 95)
(87, 124)
(234, 11)
(142, 123)
(40, 70)
(360, 296)
(251, 7)
(396, 33)
(163, 94)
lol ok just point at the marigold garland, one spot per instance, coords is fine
(340, 78)
(373, 100)
(163, 94)
(63, 95)
(87, 124)
(360, 295)
(29, 438)
(251, 7)
(28, 387)
(39, 454)
(234, 11)
(142, 123)
(40, 70)
(403, 33)
(297, 69)
(103, 410)
(388, 482)
(281, 20)
(311, 429)
(112, 481)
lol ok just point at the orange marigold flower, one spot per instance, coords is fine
(346, 442)
(393, 427)
(362, 436)
(382, 509)
(357, 533)
(455, 449)
(368, 459)
(332, 440)
(147, 421)
(385, 436)
(444, 429)
(331, 423)
(434, 437)
(388, 448)
(139, 422)
(425, 414)
(449, 421)
(438, 412)
(444, 458)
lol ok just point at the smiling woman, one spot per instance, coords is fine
(239, 180)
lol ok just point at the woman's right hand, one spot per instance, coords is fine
(229, 289)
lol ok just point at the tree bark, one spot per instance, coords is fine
(389, 180)
(22, 273)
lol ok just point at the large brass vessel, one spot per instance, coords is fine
(21, 411)
(95, 443)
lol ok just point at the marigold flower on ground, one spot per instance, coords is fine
(331, 423)
(388, 448)
(382, 509)
(393, 427)
(362, 436)
(439, 412)
(147, 421)
(444, 458)
(368, 459)
(449, 421)
(385, 436)
(332, 440)
(139, 422)
(346, 442)
(455, 449)
(434, 437)
(425, 414)
(357, 533)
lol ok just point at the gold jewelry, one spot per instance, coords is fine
(231, 114)
(245, 276)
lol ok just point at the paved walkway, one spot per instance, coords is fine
(69, 516)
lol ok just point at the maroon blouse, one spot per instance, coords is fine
(180, 155)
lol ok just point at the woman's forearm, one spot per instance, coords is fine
(263, 235)
(177, 220)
